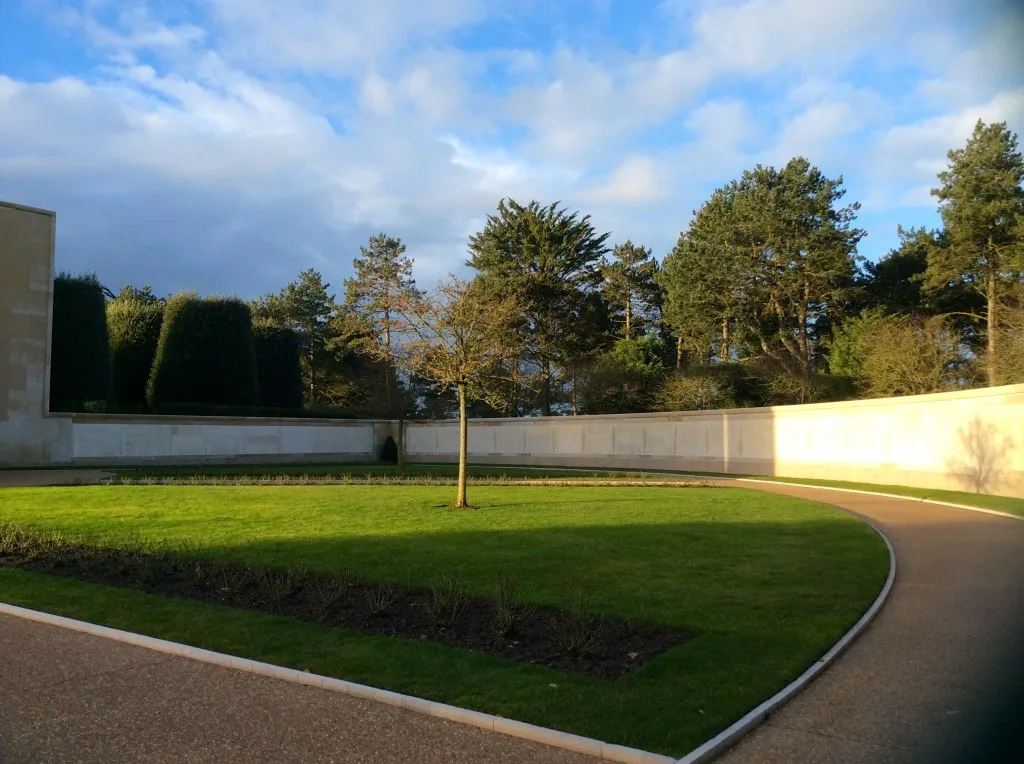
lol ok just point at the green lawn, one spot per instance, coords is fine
(983, 501)
(368, 470)
(767, 582)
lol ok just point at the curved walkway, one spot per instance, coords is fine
(931, 679)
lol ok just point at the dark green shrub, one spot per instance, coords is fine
(389, 451)
(134, 330)
(80, 350)
(206, 409)
(278, 370)
(206, 354)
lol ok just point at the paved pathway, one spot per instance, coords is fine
(916, 687)
(939, 664)
(72, 697)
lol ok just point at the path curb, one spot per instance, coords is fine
(878, 493)
(563, 740)
(731, 735)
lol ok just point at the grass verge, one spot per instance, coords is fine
(767, 583)
(443, 472)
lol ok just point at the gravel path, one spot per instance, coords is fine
(935, 675)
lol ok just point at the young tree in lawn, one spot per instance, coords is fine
(461, 338)
(630, 288)
(981, 201)
(383, 280)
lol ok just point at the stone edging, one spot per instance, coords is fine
(728, 737)
(904, 497)
(564, 740)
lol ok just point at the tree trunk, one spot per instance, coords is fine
(723, 351)
(387, 363)
(401, 444)
(460, 498)
(679, 352)
(312, 380)
(991, 366)
(629, 318)
(546, 390)
(574, 391)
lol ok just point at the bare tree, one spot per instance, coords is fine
(461, 337)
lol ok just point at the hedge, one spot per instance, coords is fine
(278, 370)
(134, 330)
(206, 354)
(80, 349)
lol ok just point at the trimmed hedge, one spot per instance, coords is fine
(80, 349)
(134, 329)
(206, 354)
(278, 370)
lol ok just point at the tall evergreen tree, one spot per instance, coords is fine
(704, 282)
(982, 206)
(765, 267)
(383, 279)
(801, 249)
(631, 289)
(547, 259)
(306, 306)
(896, 285)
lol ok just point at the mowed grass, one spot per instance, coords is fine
(767, 582)
(369, 471)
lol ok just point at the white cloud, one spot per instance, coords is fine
(337, 37)
(915, 152)
(635, 181)
(375, 95)
(757, 36)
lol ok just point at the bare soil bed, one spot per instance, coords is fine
(572, 639)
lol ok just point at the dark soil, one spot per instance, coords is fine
(573, 640)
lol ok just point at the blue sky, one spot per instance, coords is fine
(226, 145)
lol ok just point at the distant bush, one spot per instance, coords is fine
(389, 451)
(206, 354)
(80, 349)
(682, 392)
(134, 329)
(205, 409)
(278, 370)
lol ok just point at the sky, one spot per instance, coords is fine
(226, 145)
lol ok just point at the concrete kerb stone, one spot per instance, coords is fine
(940, 503)
(731, 735)
(510, 727)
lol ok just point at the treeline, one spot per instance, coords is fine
(764, 300)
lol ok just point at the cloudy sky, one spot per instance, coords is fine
(226, 145)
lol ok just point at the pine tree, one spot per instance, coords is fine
(982, 206)
(630, 288)
(383, 280)
(306, 306)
